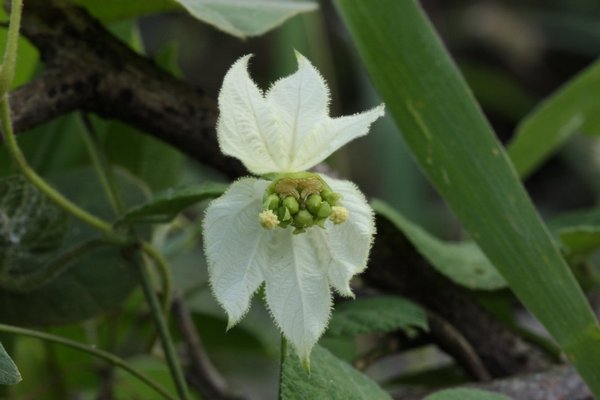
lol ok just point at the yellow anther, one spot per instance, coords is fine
(338, 214)
(268, 219)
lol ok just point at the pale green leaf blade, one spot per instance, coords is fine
(9, 373)
(329, 378)
(578, 231)
(458, 151)
(245, 18)
(466, 394)
(574, 108)
(376, 314)
(462, 262)
(581, 239)
(166, 205)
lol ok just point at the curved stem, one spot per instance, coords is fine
(7, 71)
(119, 362)
(161, 326)
(56, 197)
(165, 275)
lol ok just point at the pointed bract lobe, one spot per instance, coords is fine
(289, 128)
(236, 246)
(246, 128)
(297, 291)
(300, 103)
(344, 248)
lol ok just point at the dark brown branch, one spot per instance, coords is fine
(397, 267)
(449, 339)
(202, 375)
(88, 69)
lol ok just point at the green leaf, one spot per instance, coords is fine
(460, 154)
(244, 18)
(463, 263)
(330, 378)
(9, 374)
(31, 227)
(574, 108)
(98, 281)
(165, 206)
(466, 394)
(581, 240)
(110, 10)
(376, 314)
(578, 231)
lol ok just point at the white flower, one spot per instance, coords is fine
(301, 233)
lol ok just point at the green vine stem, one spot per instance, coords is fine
(165, 275)
(7, 72)
(113, 359)
(161, 326)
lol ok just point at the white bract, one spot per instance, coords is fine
(301, 233)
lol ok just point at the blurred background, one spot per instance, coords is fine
(513, 53)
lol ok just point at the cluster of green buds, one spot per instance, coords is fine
(300, 200)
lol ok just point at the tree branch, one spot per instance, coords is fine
(87, 68)
(397, 267)
(202, 375)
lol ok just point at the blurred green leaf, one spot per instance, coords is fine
(578, 231)
(497, 91)
(574, 108)
(581, 240)
(466, 394)
(166, 205)
(458, 151)
(463, 263)
(109, 10)
(247, 17)
(329, 378)
(98, 281)
(31, 227)
(9, 374)
(376, 314)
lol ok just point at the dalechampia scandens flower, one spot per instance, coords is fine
(300, 233)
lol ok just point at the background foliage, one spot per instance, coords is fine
(530, 66)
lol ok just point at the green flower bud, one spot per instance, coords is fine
(324, 211)
(283, 214)
(313, 203)
(321, 222)
(271, 202)
(330, 197)
(303, 219)
(291, 204)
